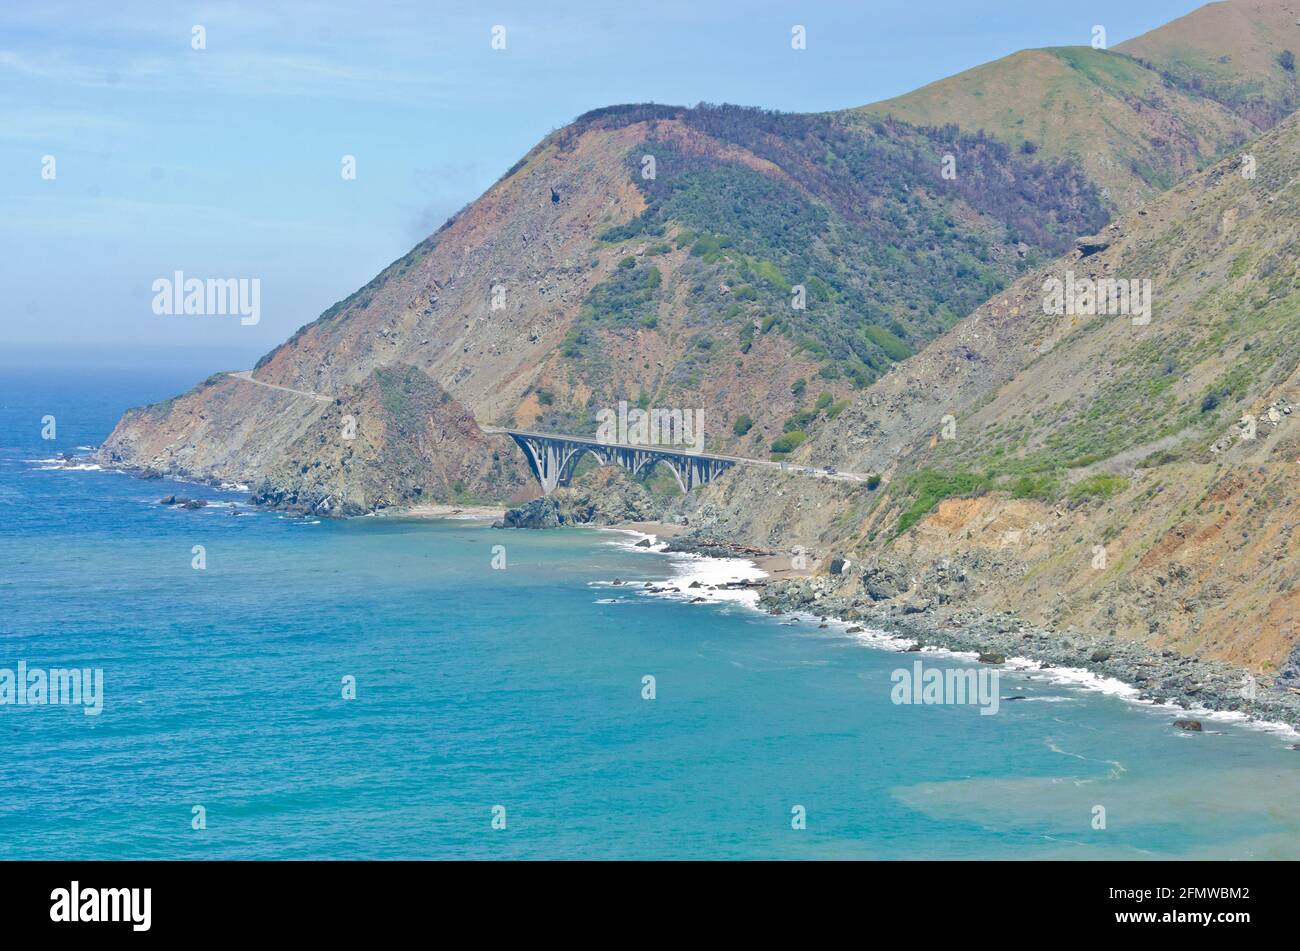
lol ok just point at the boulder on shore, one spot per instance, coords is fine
(604, 496)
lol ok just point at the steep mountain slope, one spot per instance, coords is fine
(653, 254)
(1137, 118)
(1132, 132)
(1126, 477)
(763, 267)
(380, 443)
(1234, 52)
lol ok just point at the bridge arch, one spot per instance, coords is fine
(553, 459)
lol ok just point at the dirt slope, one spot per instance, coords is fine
(1101, 474)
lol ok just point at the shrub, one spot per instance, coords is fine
(894, 348)
(710, 246)
(1160, 458)
(789, 442)
(742, 425)
(770, 274)
(1041, 487)
(1100, 486)
(799, 420)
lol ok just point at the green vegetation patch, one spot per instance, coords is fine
(857, 254)
(929, 487)
(1100, 486)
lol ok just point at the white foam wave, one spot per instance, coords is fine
(630, 544)
(67, 467)
(712, 571)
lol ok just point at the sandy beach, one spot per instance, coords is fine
(441, 510)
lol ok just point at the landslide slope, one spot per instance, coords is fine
(653, 254)
(1140, 480)
(1139, 117)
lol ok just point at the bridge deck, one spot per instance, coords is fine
(677, 451)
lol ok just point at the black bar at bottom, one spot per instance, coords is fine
(333, 900)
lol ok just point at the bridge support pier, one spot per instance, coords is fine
(553, 459)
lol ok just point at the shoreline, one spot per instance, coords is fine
(1142, 674)
(91, 462)
(694, 577)
(774, 565)
(442, 510)
(1159, 680)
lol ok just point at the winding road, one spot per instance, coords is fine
(814, 471)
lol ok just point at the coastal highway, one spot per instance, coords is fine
(247, 376)
(788, 468)
(812, 471)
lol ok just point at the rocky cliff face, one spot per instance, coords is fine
(381, 442)
(1129, 478)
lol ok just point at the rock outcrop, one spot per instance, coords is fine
(395, 438)
(603, 496)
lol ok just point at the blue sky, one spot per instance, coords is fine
(225, 162)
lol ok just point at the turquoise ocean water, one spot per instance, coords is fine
(519, 688)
